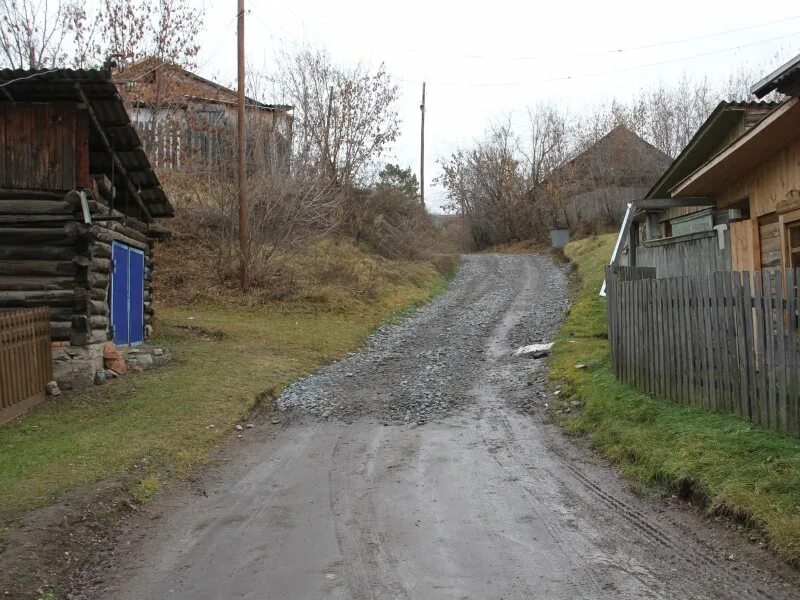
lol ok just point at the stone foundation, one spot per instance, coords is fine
(81, 367)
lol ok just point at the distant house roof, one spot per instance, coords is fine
(621, 156)
(184, 85)
(66, 85)
(726, 122)
(785, 79)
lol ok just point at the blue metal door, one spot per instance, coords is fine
(127, 294)
(119, 293)
(135, 296)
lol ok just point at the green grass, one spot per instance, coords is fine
(150, 427)
(743, 470)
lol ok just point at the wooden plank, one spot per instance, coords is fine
(769, 341)
(691, 368)
(637, 312)
(697, 341)
(667, 333)
(688, 392)
(780, 352)
(651, 334)
(3, 143)
(791, 352)
(68, 139)
(738, 350)
(759, 331)
(750, 349)
(82, 179)
(680, 339)
(730, 343)
(711, 345)
(671, 341)
(659, 300)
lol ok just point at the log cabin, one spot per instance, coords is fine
(731, 199)
(79, 203)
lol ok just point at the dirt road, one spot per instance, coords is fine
(424, 468)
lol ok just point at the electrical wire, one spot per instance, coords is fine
(608, 72)
(628, 49)
(31, 76)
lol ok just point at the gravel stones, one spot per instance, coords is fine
(424, 366)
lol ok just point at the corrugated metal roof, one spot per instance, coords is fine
(61, 85)
(706, 140)
(777, 78)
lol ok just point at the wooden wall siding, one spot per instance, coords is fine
(743, 256)
(45, 146)
(692, 255)
(768, 184)
(25, 362)
(769, 239)
(726, 341)
(207, 151)
(49, 257)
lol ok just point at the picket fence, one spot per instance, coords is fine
(25, 360)
(724, 341)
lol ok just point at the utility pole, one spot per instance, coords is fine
(422, 150)
(244, 229)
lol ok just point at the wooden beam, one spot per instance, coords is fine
(117, 162)
(666, 203)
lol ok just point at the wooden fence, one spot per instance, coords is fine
(725, 341)
(25, 360)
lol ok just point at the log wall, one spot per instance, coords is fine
(50, 257)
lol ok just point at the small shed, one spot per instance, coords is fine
(79, 203)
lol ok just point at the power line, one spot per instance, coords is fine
(37, 74)
(612, 71)
(589, 53)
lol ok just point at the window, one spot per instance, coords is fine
(693, 223)
(793, 240)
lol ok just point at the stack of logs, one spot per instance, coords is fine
(50, 257)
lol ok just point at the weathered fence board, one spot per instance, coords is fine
(725, 341)
(25, 360)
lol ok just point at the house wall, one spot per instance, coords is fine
(43, 146)
(202, 137)
(603, 204)
(693, 254)
(759, 241)
(50, 257)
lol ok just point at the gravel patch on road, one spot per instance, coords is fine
(419, 368)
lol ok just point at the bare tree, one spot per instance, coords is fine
(485, 184)
(547, 143)
(35, 33)
(163, 29)
(345, 117)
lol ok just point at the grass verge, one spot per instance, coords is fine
(736, 468)
(147, 428)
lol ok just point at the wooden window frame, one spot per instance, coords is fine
(787, 220)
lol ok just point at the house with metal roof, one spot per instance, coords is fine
(591, 190)
(731, 199)
(79, 206)
(189, 122)
(690, 235)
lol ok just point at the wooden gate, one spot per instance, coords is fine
(26, 363)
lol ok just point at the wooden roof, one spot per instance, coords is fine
(725, 123)
(785, 79)
(137, 84)
(780, 128)
(97, 91)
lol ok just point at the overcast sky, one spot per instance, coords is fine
(486, 60)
